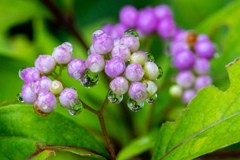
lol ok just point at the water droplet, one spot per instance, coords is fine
(150, 57)
(160, 72)
(134, 106)
(131, 32)
(90, 79)
(114, 98)
(20, 72)
(38, 111)
(77, 109)
(152, 99)
(89, 52)
(19, 97)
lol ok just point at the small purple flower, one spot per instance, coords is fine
(180, 35)
(27, 94)
(128, 16)
(95, 63)
(166, 27)
(188, 95)
(45, 63)
(122, 52)
(185, 79)
(201, 66)
(131, 42)
(91, 50)
(46, 102)
(177, 46)
(162, 11)
(117, 31)
(205, 49)
(63, 53)
(138, 92)
(117, 42)
(119, 85)
(202, 82)
(202, 37)
(30, 74)
(134, 72)
(41, 85)
(76, 68)
(68, 98)
(103, 44)
(107, 28)
(147, 20)
(184, 60)
(114, 67)
(96, 34)
(151, 71)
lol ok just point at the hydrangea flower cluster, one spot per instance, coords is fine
(131, 71)
(41, 91)
(191, 53)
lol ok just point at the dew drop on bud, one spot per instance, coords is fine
(19, 97)
(160, 72)
(150, 57)
(77, 109)
(134, 106)
(20, 72)
(152, 99)
(38, 111)
(114, 98)
(90, 79)
(131, 32)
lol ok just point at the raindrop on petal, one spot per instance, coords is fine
(134, 106)
(152, 99)
(150, 57)
(19, 97)
(77, 109)
(160, 72)
(131, 32)
(114, 98)
(89, 79)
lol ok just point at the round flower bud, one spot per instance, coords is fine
(119, 85)
(145, 55)
(151, 71)
(131, 42)
(184, 60)
(151, 88)
(46, 102)
(146, 20)
(180, 35)
(205, 49)
(117, 42)
(166, 27)
(115, 67)
(95, 63)
(134, 72)
(41, 85)
(201, 66)
(103, 44)
(45, 63)
(56, 87)
(30, 74)
(122, 52)
(202, 81)
(96, 34)
(91, 50)
(188, 95)
(107, 28)
(117, 31)
(68, 98)
(63, 53)
(185, 79)
(128, 16)
(76, 68)
(177, 46)
(138, 92)
(202, 37)
(138, 58)
(162, 11)
(28, 95)
(175, 91)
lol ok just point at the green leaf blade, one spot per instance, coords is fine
(211, 122)
(21, 129)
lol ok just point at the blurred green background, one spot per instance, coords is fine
(28, 29)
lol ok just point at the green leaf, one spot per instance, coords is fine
(210, 122)
(21, 129)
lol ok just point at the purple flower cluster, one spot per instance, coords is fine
(131, 70)
(145, 21)
(41, 90)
